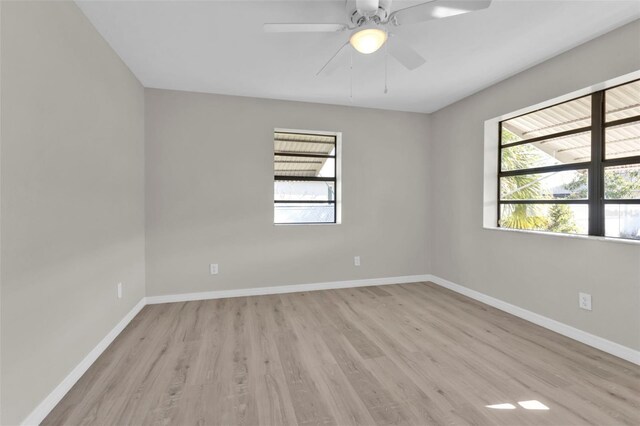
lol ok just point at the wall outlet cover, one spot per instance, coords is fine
(213, 269)
(584, 301)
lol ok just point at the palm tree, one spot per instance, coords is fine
(522, 187)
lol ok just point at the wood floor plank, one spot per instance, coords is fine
(402, 354)
(310, 409)
(382, 405)
(342, 399)
(350, 330)
(274, 404)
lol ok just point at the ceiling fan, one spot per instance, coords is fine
(371, 23)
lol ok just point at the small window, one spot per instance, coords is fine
(574, 167)
(305, 166)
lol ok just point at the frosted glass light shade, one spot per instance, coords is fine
(369, 40)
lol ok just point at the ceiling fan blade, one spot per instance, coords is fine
(332, 64)
(367, 7)
(405, 54)
(435, 10)
(304, 28)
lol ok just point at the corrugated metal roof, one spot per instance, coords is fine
(559, 118)
(621, 141)
(296, 166)
(296, 143)
(302, 147)
(623, 101)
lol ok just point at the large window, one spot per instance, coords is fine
(574, 167)
(305, 182)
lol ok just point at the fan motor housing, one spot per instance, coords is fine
(358, 19)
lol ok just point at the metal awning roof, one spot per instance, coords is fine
(621, 141)
(299, 154)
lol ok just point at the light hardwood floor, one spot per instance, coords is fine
(400, 354)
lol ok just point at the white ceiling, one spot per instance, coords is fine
(219, 47)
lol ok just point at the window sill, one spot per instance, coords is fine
(558, 235)
(308, 223)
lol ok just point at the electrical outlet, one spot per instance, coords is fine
(213, 269)
(584, 301)
(119, 290)
(356, 261)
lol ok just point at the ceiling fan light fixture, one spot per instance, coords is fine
(368, 40)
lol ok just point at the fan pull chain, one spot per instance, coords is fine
(386, 66)
(351, 77)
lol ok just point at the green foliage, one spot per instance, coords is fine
(523, 216)
(521, 157)
(579, 188)
(619, 184)
(561, 219)
(520, 216)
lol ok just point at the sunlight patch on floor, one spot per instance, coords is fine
(502, 406)
(527, 405)
(533, 405)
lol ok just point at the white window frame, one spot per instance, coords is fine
(338, 194)
(491, 147)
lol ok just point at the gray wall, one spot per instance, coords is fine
(537, 272)
(72, 210)
(209, 181)
(72, 171)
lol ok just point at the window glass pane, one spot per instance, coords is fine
(303, 213)
(328, 168)
(622, 220)
(622, 182)
(622, 101)
(622, 141)
(571, 184)
(558, 118)
(549, 152)
(564, 218)
(303, 166)
(304, 190)
(308, 163)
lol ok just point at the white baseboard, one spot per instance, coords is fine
(604, 345)
(258, 291)
(45, 407)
